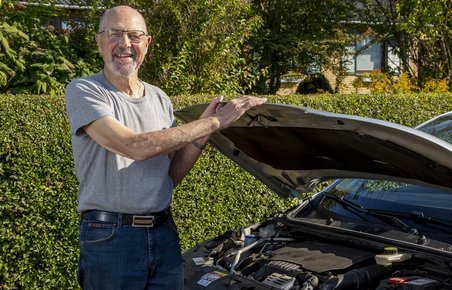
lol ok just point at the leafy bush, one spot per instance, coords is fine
(382, 83)
(314, 84)
(38, 221)
(38, 190)
(36, 58)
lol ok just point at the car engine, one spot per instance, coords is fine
(272, 255)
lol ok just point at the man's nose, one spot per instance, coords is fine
(125, 39)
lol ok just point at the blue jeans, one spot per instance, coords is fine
(125, 257)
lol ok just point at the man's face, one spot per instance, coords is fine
(122, 53)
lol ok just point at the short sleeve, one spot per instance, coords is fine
(85, 103)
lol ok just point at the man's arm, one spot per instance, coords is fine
(111, 134)
(183, 160)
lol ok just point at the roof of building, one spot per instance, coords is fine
(68, 4)
(81, 3)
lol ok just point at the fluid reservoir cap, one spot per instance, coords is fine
(390, 250)
(391, 255)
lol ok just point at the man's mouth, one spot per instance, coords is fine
(123, 55)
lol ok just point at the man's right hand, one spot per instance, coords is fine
(228, 113)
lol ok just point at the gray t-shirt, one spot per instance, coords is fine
(108, 181)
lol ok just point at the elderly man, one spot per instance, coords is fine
(128, 156)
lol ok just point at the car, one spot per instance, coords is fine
(382, 219)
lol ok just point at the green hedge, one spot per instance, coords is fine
(38, 218)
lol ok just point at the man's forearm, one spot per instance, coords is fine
(140, 146)
(184, 160)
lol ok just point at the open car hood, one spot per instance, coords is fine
(291, 149)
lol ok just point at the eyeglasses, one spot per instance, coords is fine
(134, 36)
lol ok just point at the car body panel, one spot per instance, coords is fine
(384, 224)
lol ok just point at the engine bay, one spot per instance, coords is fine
(272, 255)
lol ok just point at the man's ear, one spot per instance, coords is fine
(148, 43)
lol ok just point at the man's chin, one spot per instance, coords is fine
(125, 70)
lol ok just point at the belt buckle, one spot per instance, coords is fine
(143, 221)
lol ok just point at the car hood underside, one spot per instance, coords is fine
(291, 149)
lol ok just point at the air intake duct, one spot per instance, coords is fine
(356, 279)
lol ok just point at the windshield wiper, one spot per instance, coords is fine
(420, 218)
(417, 217)
(385, 217)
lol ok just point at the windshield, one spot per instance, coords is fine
(391, 197)
(411, 208)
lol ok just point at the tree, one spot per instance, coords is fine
(198, 45)
(35, 57)
(419, 30)
(304, 36)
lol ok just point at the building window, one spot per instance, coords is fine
(368, 59)
(372, 56)
(392, 60)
